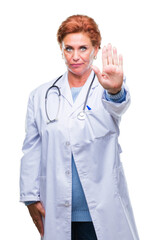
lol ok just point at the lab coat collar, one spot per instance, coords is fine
(66, 91)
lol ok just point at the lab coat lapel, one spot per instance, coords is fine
(65, 88)
(82, 95)
(66, 91)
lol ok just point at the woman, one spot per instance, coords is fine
(72, 179)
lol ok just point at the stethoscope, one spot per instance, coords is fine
(80, 116)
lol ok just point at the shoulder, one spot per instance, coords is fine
(41, 89)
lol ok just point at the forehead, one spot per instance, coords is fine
(74, 39)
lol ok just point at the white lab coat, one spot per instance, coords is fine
(46, 164)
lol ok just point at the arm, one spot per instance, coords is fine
(117, 107)
(30, 165)
(30, 162)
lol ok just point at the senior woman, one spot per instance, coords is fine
(72, 179)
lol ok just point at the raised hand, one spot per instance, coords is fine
(111, 77)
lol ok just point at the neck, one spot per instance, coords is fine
(76, 80)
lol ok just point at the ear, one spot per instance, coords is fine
(62, 46)
(96, 49)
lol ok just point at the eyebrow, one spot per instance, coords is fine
(82, 45)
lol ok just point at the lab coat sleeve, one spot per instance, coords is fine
(30, 162)
(117, 109)
(118, 98)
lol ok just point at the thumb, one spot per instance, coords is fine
(97, 72)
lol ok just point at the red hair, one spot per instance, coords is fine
(80, 23)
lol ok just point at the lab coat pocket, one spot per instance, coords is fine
(42, 180)
(100, 122)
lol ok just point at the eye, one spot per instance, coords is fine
(83, 48)
(68, 49)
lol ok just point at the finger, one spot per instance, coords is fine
(41, 209)
(109, 47)
(104, 57)
(97, 72)
(121, 61)
(115, 58)
(39, 224)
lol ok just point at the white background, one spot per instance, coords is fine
(30, 56)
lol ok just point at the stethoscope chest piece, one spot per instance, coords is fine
(81, 115)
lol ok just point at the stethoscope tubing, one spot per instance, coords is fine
(81, 115)
(46, 95)
(86, 99)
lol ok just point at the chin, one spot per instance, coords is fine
(79, 72)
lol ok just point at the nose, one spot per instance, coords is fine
(76, 56)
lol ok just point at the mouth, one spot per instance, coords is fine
(76, 65)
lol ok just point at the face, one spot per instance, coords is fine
(78, 52)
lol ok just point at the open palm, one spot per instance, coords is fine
(111, 77)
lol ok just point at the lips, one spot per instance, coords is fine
(76, 65)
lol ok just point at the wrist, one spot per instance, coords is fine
(111, 92)
(27, 203)
(115, 97)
